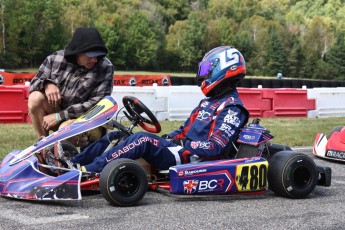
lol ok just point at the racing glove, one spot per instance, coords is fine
(165, 136)
(179, 141)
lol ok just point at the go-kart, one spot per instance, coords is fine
(331, 146)
(43, 171)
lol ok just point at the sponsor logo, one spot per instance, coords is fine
(232, 118)
(17, 81)
(227, 129)
(211, 185)
(202, 145)
(119, 82)
(203, 115)
(189, 186)
(234, 67)
(192, 186)
(150, 81)
(335, 154)
(132, 81)
(192, 172)
(131, 146)
(249, 137)
(204, 104)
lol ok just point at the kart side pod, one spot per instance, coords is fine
(123, 182)
(286, 173)
(220, 177)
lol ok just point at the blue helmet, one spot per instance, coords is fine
(221, 65)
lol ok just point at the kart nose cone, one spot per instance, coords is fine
(341, 137)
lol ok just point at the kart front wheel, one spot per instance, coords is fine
(292, 175)
(123, 182)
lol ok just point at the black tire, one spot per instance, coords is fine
(292, 175)
(123, 182)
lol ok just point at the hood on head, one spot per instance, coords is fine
(85, 40)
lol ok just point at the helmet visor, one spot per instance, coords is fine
(205, 68)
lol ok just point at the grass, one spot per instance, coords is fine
(289, 131)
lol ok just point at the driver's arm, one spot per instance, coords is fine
(228, 124)
(181, 132)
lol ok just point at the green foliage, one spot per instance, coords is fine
(140, 39)
(334, 59)
(299, 38)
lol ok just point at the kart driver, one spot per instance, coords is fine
(69, 83)
(206, 135)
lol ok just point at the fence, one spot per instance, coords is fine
(176, 102)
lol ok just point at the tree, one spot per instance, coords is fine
(172, 11)
(186, 39)
(29, 39)
(221, 31)
(276, 58)
(78, 13)
(3, 30)
(141, 44)
(334, 59)
(295, 62)
(319, 36)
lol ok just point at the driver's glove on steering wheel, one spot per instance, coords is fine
(179, 141)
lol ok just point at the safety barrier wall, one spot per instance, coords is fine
(13, 78)
(288, 102)
(328, 102)
(176, 102)
(14, 104)
(19, 78)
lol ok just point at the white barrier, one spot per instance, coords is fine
(165, 102)
(329, 102)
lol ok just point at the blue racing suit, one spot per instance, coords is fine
(212, 126)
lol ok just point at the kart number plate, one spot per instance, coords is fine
(251, 177)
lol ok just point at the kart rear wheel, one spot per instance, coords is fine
(123, 182)
(292, 175)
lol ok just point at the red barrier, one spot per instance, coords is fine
(254, 101)
(12, 78)
(141, 80)
(288, 102)
(14, 104)
(260, 103)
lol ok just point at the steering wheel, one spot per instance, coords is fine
(135, 108)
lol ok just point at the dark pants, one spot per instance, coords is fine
(157, 151)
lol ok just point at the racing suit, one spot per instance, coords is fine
(205, 135)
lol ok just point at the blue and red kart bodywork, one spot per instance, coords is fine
(220, 177)
(332, 146)
(257, 166)
(24, 180)
(21, 176)
(244, 175)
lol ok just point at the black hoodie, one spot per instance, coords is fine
(84, 39)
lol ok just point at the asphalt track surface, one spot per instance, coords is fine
(323, 209)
